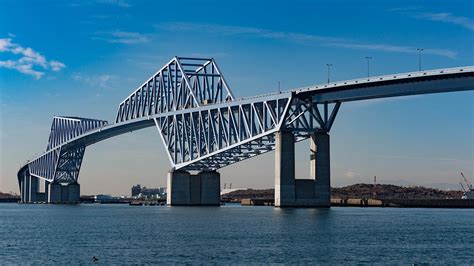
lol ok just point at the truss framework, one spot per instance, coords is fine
(200, 127)
(62, 163)
(213, 137)
(183, 83)
(65, 128)
(204, 127)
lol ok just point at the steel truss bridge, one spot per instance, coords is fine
(205, 127)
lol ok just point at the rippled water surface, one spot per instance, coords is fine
(118, 234)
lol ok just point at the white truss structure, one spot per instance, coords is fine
(204, 127)
(62, 163)
(183, 83)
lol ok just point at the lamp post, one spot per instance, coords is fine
(368, 65)
(329, 72)
(419, 57)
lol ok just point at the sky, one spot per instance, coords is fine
(82, 58)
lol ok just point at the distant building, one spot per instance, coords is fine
(136, 190)
(102, 197)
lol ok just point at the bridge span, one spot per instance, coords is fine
(205, 128)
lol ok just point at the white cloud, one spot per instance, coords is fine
(465, 22)
(300, 38)
(56, 65)
(350, 174)
(123, 37)
(28, 59)
(102, 81)
(395, 48)
(417, 13)
(85, 3)
(120, 3)
(22, 68)
(237, 30)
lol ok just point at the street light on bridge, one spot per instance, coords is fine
(329, 71)
(419, 57)
(368, 65)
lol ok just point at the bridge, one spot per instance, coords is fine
(204, 127)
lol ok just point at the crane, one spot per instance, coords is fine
(469, 185)
(469, 192)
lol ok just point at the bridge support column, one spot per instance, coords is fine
(54, 195)
(27, 188)
(193, 189)
(320, 168)
(284, 169)
(33, 189)
(74, 195)
(178, 189)
(64, 194)
(24, 190)
(313, 192)
(46, 190)
(210, 188)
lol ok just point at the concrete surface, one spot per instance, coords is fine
(284, 169)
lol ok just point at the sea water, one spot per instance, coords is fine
(122, 234)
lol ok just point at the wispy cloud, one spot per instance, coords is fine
(209, 55)
(411, 158)
(119, 3)
(26, 59)
(350, 174)
(396, 48)
(237, 30)
(124, 37)
(445, 17)
(465, 22)
(300, 38)
(82, 3)
(102, 81)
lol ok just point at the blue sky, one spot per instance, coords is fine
(82, 58)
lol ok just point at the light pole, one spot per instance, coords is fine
(368, 65)
(279, 91)
(329, 72)
(419, 57)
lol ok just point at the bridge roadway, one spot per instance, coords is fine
(207, 132)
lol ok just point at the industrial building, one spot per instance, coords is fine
(139, 191)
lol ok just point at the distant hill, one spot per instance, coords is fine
(250, 193)
(361, 191)
(393, 192)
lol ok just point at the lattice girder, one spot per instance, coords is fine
(183, 83)
(65, 128)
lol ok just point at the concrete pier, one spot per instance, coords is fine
(46, 190)
(312, 192)
(63, 194)
(284, 169)
(27, 188)
(193, 189)
(23, 189)
(320, 168)
(73, 195)
(210, 188)
(178, 191)
(33, 188)
(54, 195)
